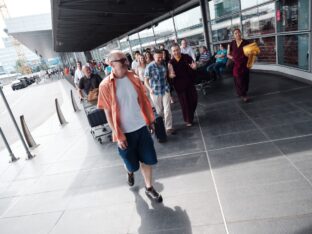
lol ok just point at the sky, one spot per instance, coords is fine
(28, 7)
(18, 8)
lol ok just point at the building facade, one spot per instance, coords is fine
(8, 56)
(282, 29)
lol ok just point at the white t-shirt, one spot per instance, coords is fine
(78, 75)
(188, 50)
(140, 72)
(134, 65)
(131, 118)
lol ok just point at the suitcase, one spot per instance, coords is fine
(102, 133)
(96, 117)
(160, 131)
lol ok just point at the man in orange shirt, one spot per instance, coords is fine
(130, 116)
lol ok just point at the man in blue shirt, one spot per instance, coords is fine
(221, 60)
(156, 82)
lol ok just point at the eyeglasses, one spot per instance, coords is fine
(122, 60)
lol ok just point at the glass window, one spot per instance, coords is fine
(124, 43)
(260, 20)
(293, 50)
(109, 47)
(134, 41)
(248, 3)
(147, 37)
(194, 40)
(164, 32)
(219, 8)
(292, 15)
(268, 50)
(222, 29)
(189, 23)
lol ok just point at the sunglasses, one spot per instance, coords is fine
(122, 60)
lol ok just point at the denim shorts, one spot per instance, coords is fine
(140, 149)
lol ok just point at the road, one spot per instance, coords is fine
(35, 102)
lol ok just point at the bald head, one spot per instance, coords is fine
(115, 54)
(86, 70)
(119, 63)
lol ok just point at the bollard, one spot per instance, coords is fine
(29, 155)
(29, 139)
(13, 158)
(59, 113)
(75, 106)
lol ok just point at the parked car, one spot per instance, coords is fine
(18, 84)
(26, 81)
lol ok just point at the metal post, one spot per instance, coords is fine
(75, 55)
(141, 49)
(154, 35)
(29, 155)
(13, 158)
(203, 8)
(130, 47)
(174, 27)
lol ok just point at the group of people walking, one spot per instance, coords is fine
(129, 92)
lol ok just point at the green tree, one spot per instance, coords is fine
(21, 67)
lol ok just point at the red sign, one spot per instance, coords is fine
(278, 15)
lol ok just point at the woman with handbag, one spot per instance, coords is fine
(240, 69)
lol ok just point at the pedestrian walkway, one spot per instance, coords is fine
(242, 168)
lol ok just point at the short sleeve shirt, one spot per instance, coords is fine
(78, 75)
(157, 75)
(131, 118)
(224, 59)
(108, 101)
(89, 84)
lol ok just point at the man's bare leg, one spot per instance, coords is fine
(149, 189)
(146, 171)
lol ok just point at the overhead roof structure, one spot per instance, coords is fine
(83, 25)
(35, 32)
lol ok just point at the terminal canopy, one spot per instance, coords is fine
(83, 25)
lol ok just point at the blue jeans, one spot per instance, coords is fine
(216, 68)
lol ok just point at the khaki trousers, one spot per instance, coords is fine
(162, 106)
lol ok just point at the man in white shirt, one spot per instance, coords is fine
(129, 114)
(78, 75)
(185, 49)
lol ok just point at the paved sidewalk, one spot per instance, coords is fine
(242, 168)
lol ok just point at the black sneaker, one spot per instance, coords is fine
(153, 194)
(130, 179)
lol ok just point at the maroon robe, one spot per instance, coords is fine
(240, 70)
(184, 85)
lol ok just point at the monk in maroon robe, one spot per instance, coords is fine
(240, 70)
(181, 69)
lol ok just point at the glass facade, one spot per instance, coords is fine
(147, 38)
(248, 3)
(220, 8)
(280, 27)
(268, 50)
(259, 20)
(222, 28)
(164, 32)
(189, 25)
(135, 42)
(293, 50)
(292, 15)
(123, 43)
(266, 22)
